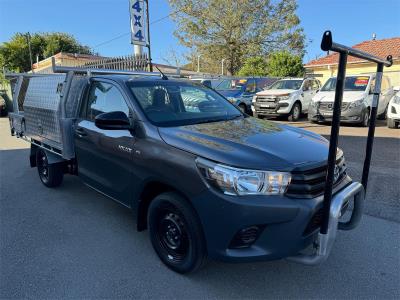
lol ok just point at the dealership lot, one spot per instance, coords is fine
(73, 242)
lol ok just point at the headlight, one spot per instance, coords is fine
(396, 99)
(356, 103)
(254, 100)
(234, 181)
(232, 100)
(314, 104)
(283, 98)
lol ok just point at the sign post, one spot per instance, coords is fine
(140, 31)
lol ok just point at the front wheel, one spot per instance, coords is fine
(243, 108)
(51, 175)
(295, 112)
(176, 233)
(365, 118)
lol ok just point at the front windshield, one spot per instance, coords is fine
(353, 83)
(286, 85)
(231, 84)
(172, 103)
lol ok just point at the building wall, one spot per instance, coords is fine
(392, 72)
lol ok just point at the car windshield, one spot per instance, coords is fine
(286, 84)
(353, 83)
(231, 84)
(174, 103)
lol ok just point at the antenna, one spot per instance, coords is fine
(163, 76)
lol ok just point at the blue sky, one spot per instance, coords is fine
(93, 22)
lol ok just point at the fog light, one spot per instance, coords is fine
(246, 237)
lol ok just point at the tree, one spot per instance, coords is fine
(233, 30)
(254, 66)
(283, 64)
(14, 54)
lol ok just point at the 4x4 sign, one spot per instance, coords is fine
(136, 10)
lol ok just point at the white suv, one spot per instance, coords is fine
(286, 97)
(393, 112)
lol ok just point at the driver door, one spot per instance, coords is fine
(104, 157)
(307, 94)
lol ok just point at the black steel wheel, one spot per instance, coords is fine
(51, 175)
(176, 233)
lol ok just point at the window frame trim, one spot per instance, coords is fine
(93, 80)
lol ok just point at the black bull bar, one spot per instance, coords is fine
(332, 206)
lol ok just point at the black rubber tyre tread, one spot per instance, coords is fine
(197, 256)
(291, 117)
(55, 172)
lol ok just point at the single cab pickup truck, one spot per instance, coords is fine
(204, 178)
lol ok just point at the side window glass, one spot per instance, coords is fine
(372, 88)
(315, 85)
(306, 85)
(104, 97)
(251, 86)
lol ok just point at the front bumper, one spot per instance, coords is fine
(348, 115)
(276, 109)
(283, 221)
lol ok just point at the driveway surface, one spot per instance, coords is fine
(72, 242)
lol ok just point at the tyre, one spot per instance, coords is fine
(391, 123)
(383, 116)
(176, 233)
(365, 118)
(51, 175)
(243, 108)
(295, 113)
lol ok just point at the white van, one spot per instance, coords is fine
(357, 100)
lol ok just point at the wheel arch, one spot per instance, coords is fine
(150, 190)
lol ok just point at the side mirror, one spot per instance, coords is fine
(114, 120)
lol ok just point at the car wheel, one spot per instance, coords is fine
(383, 116)
(295, 113)
(50, 175)
(391, 123)
(242, 108)
(176, 233)
(365, 119)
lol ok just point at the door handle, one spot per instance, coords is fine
(80, 132)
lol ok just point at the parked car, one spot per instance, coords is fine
(240, 91)
(393, 112)
(357, 100)
(286, 97)
(3, 106)
(208, 82)
(203, 178)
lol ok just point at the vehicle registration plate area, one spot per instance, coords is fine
(266, 102)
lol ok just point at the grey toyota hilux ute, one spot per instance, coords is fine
(205, 179)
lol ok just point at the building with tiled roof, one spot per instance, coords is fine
(327, 66)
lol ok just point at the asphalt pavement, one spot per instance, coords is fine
(72, 242)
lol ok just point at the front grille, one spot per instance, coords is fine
(328, 106)
(311, 183)
(268, 99)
